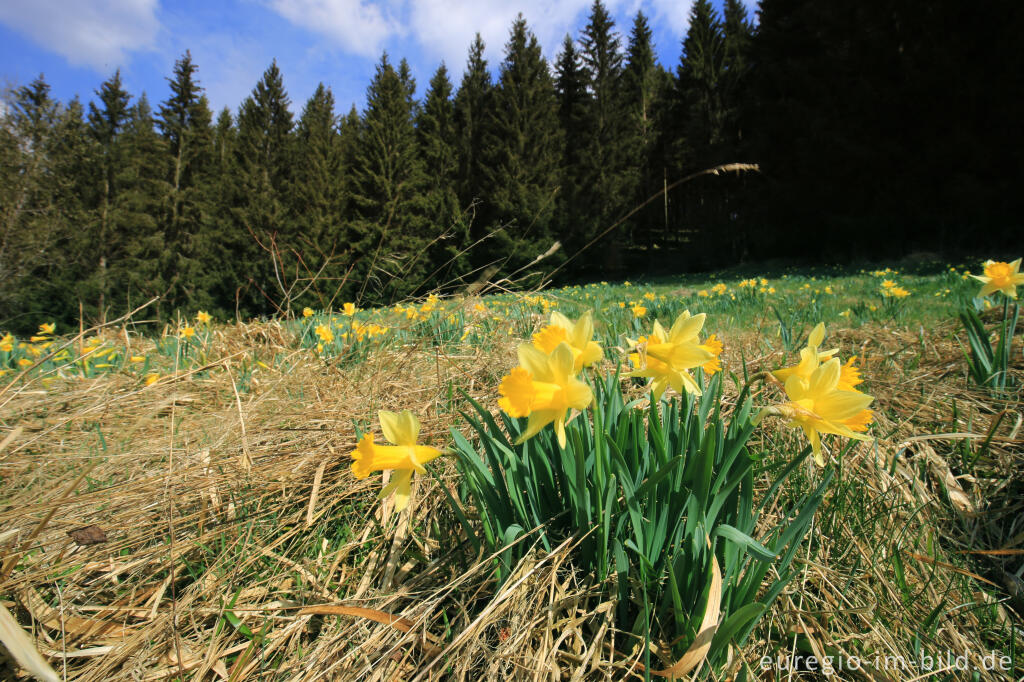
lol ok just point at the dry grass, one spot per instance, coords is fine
(230, 516)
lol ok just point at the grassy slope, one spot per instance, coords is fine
(225, 493)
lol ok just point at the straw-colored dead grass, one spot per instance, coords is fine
(239, 546)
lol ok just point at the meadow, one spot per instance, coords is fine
(179, 501)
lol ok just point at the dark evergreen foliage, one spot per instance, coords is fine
(521, 152)
(390, 233)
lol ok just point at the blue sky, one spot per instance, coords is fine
(79, 43)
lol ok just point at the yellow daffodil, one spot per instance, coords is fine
(999, 276)
(811, 358)
(403, 456)
(203, 317)
(544, 388)
(307, 312)
(819, 406)
(638, 310)
(7, 343)
(650, 296)
(52, 326)
(138, 358)
(579, 336)
(152, 379)
(24, 362)
(188, 332)
(325, 333)
(667, 357)
(348, 309)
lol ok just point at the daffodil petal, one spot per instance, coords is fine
(403, 489)
(402, 428)
(838, 406)
(535, 361)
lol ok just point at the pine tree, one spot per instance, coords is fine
(438, 143)
(319, 184)
(522, 148)
(136, 275)
(472, 109)
(571, 85)
(700, 75)
(265, 230)
(643, 87)
(604, 157)
(106, 124)
(390, 235)
(184, 121)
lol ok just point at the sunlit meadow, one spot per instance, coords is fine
(616, 480)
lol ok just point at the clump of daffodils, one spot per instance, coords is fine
(667, 357)
(821, 396)
(889, 289)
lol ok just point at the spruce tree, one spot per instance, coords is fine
(184, 121)
(643, 82)
(522, 147)
(32, 223)
(604, 157)
(438, 143)
(75, 154)
(221, 241)
(573, 100)
(106, 124)
(390, 232)
(700, 76)
(738, 34)
(264, 233)
(137, 273)
(319, 183)
(472, 110)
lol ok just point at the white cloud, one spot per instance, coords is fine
(675, 13)
(446, 27)
(443, 28)
(95, 33)
(356, 27)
